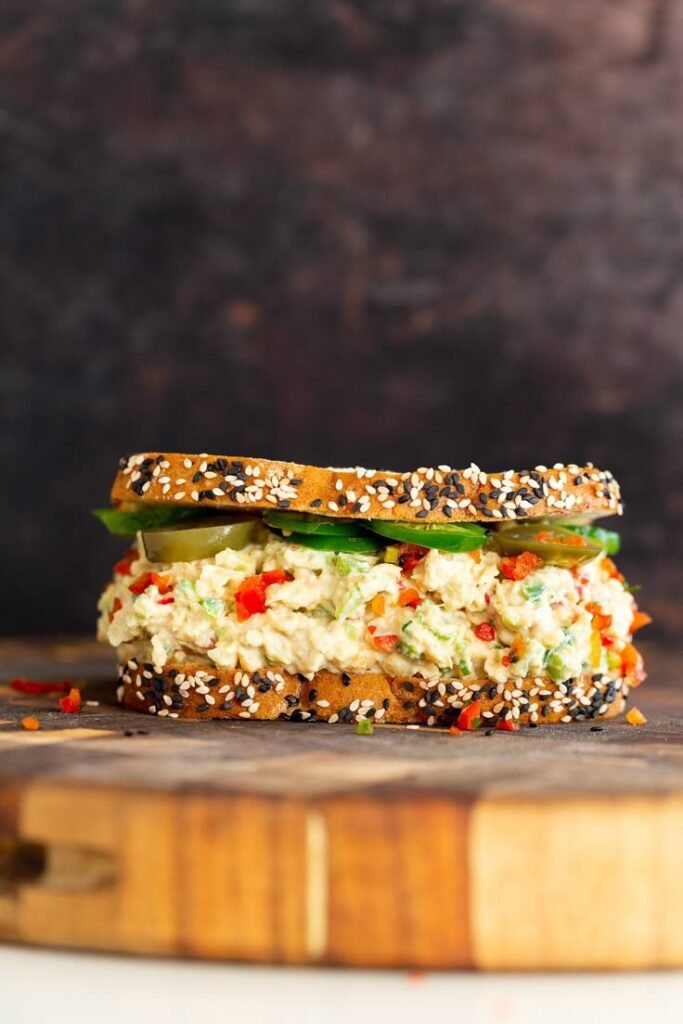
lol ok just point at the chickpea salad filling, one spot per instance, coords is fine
(307, 593)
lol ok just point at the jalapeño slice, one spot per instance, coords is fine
(363, 544)
(305, 522)
(445, 537)
(556, 545)
(188, 542)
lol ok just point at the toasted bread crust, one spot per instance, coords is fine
(425, 495)
(198, 691)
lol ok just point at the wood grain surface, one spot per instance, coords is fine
(557, 847)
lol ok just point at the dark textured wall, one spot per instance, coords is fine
(380, 232)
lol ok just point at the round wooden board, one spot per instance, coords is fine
(553, 848)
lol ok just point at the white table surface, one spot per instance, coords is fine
(46, 987)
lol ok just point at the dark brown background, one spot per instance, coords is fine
(387, 232)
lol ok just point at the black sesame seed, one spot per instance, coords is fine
(265, 686)
(197, 477)
(385, 703)
(283, 503)
(421, 514)
(597, 728)
(342, 501)
(370, 713)
(409, 703)
(203, 706)
(128, 732)
(403, 499)
(409, 686)
(316, 503)
(296, 482)
(447, 511)
(346, 679)
(312, 694)
(301, 677)
(291, 700)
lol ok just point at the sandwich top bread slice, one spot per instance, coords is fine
(444, 597)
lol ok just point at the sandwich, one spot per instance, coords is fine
(257, 589)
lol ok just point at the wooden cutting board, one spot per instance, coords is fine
(554, 848)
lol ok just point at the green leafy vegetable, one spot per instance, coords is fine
(126, 522)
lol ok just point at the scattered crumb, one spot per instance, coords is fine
(31, 723)
(412, 727)
(92, 703)
(635, 717)
(454, 731)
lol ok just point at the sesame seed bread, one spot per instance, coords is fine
(199, 691)
(423, 495)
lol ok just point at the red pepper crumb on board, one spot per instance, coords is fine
(485, 631)
(31, 723)
(72, 702)
(507, 725)
(469, 718)
(634, 716)
(37, 686)
(454, 731)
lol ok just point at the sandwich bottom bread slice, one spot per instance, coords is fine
(262, 609)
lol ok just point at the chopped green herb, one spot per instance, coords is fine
(533, 591)
(213, 606)
(365, 727)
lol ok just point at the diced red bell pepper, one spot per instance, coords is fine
(485, 631)
(123, 567)
(250, 596)
(386, 642)
(600, 620)
(116, 607)
(507, 725)
(409, 556)
(71, 703)
(640, 619)
(166, 600)
(409, 598)
(36, 686)
(517, 567)
(632, 664)
(162, 581)
(470, 717)
(612, 570)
